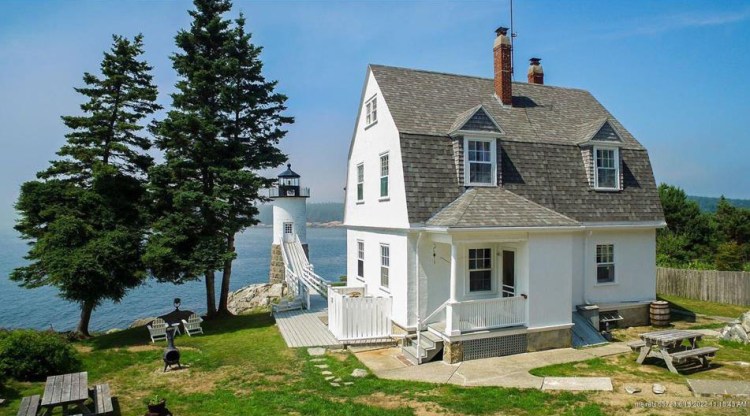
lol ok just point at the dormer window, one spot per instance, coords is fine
(607, 168)
(371, 109)
(480, 164)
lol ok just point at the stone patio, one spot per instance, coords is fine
(508, 371)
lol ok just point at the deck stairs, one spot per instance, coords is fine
(431, 346)
(287, 305)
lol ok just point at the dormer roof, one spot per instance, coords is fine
(600, 131)
(475, 119)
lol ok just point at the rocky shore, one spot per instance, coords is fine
(255, 296)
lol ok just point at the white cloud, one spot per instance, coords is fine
(681, 21)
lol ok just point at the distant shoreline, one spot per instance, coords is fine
(330, 224)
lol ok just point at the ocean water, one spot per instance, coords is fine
(41, 308)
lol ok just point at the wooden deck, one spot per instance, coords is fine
(304, 328)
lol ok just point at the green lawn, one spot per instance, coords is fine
(242, 367)
(705, 308)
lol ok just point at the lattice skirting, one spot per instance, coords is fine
(495, 347)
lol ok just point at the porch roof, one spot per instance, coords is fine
(496, 207)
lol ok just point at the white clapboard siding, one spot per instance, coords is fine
(358, 318)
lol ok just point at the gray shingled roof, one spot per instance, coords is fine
(496, 207)
(428, 103)
(540, 160)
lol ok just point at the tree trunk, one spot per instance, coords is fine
(210, 295)
(226, 277)
(83, 325)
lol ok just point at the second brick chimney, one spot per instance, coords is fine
(502, 66)
(536, 73)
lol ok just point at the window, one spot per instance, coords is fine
(385, 262)
(480, 269)
(361, 259)
(360, 182)
(372, 110)
(384, 175)
(288, 228)
(479, 167)
(605, 263)
(607, 168)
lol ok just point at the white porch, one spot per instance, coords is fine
(478, 282)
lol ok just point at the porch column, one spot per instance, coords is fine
(451, 312)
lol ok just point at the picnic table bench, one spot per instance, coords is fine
(68, 390)
(669, 346)
(102, 399)
(29, 406)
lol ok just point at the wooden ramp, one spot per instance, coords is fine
(304, 328)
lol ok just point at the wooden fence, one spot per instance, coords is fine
(708, 285)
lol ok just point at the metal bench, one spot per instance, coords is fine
(703, 354)
(102, 399)
(29, 406)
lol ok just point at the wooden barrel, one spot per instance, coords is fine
(659, 313)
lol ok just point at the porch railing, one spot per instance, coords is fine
(480, 314)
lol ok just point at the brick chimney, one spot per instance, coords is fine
(536, 73)
(502, 66)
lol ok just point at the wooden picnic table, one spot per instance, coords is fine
(669, 346)
(66, 390)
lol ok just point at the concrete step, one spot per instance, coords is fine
(431, 346)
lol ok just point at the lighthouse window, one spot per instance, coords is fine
(360, 182)
(384, 175)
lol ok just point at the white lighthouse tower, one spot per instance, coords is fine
(289, 218)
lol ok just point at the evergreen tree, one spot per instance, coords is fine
(86, 214)
(687, 223)
(224, 124)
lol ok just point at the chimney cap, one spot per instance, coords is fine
(535, 61)
(502, 30)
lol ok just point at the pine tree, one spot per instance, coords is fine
(224, 125)
(252, 129)
(86, 215)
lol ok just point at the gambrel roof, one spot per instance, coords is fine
(539, 153)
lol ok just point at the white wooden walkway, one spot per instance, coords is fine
(303, 328)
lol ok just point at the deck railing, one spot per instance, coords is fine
(274, 192)
(481, 314)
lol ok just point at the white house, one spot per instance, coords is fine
(489, 209)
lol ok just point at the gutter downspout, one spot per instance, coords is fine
(419, 318)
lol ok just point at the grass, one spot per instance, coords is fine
(704, 308)
(242, 367)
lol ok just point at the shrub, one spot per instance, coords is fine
(33, 355)
(729, 256)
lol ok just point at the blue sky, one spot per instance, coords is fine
(675, 73)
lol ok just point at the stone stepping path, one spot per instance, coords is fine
(318, 358)
(577, 383)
